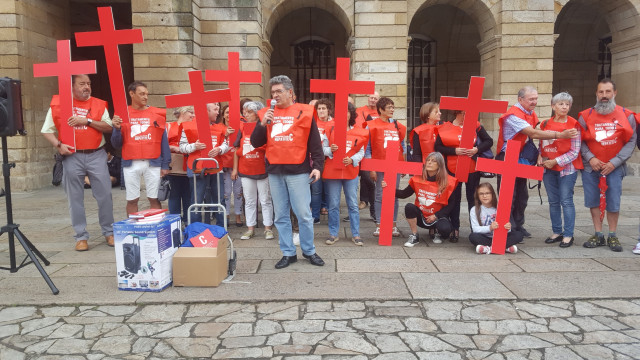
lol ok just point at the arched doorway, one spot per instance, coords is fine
(306, 43)
(442, 56)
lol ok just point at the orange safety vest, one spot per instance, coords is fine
(427, 134)
(381, 132)
(324, 126)
(365, 114)
(606, 134)
(142, 135)
(427, 198)
(553, 148)
(87, 138)
(288, 133)
(218, 133)
(250, 159)
(355, 142)
(514, 110)
(451, 136)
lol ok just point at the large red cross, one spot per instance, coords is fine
(391, 167)
(472, 105)
(64, 69)
(233, 76)
(342, 87)
(510, 169)
(199, 98)
(109, 38)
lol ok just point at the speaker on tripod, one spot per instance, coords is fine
(11, 124)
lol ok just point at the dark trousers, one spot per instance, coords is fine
(368, 191)
(513, 237)
(520, 198)
(470, 190)
(442, 226)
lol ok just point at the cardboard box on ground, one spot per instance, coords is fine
(144, 253)
(201, 266)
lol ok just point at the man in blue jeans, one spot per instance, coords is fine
(292, 140)
(608, 140)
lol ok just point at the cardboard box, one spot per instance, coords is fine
(202, 266)
(144, 253)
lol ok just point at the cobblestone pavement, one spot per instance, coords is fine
(584, 329)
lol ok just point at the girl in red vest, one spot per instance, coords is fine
(561, 160)
(180, 194)
(324, 109)
(432, 208)
(344, 175)
(448, 144)
(423, 137)
(248, 163)
(227, 166)
(483, 222)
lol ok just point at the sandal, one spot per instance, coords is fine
(324, 211)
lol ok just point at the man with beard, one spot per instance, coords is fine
(608, 140)
(519, 123)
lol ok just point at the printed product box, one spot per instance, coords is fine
(201, 266)
(144, 253)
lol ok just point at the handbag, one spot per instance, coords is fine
(164, 189)
(530, 152)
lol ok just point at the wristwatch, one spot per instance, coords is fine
(89, 121)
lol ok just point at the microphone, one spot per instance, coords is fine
(271, 106)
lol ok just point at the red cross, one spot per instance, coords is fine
(472, 106)
(342, 87)
(510, 169)
(391, 167)
(109, 38)
(199, 98)
(233, 76)
(64, 69)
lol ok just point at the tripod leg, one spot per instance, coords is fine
(26, 244)
(32, 247)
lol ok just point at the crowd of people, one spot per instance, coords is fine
(282, 162)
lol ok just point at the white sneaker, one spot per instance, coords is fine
(377, 232)
(268, 234)
(395, 232)
(636, 250)
(512, 249)
(296, 239)
(247, 235)
(412, 241)
(482, 249)
(437, 239)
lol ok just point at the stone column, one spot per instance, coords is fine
(380, 50)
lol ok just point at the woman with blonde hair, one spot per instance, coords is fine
(180, 194)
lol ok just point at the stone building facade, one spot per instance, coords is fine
(415, 50)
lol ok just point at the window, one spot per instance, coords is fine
(421, 73)
(604, 58)
(312, 59)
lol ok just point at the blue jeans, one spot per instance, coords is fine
(333, 187)
(207, 192)
(590, 181)
(379, 197)
(292, 191)
(180, 195)
(560, 195)
(317, 198)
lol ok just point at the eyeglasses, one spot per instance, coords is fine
(278, 91)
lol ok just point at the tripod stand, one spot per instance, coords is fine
(12, 229)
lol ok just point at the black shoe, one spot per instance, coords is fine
(594, 241)
(314, 259)
(286, 261)
(346, 219)
(316, 221)
(566, 244)
(524, 232)
(550, 240)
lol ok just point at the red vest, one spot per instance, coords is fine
(451, 136)
(288, 134)
(178, 164)
(250, 159)
(355, 142)
(324, 126)
(427, 198)
(553, 148)
(427, 134)
(87, 138)
(218, 133)
(142, 135)
(365, 114)
(381, 132)
(606, 134)
(531, 119)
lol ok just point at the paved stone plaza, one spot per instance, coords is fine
(429, 302)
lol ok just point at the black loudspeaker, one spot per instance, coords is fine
(10, 107)
(131, 254)
(176, 238)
